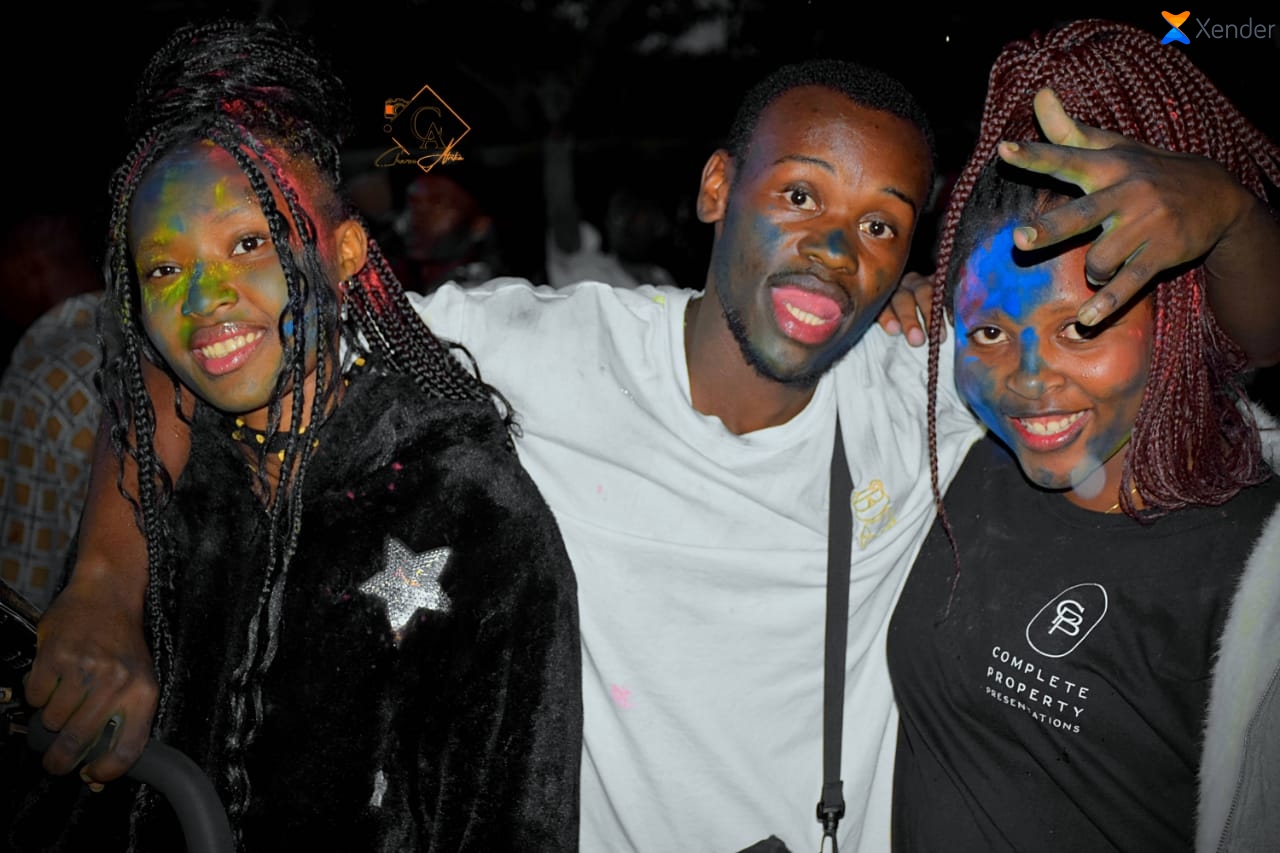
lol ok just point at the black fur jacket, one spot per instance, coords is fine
(425, 687)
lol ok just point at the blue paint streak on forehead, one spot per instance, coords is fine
(151, 187)
(1007, 286)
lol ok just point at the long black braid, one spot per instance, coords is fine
(260, 92)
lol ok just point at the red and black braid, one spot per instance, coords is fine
(1116, 77)
(1193, 442)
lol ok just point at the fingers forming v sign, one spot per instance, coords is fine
(1157, 209)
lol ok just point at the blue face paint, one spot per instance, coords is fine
(1030, 362)
(996, 286)
(1063, 403)
(786, 211)
(838, 244)
(1007, 286)
(195, 301)
(976, 384)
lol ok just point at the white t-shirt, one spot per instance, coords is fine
(701, 561)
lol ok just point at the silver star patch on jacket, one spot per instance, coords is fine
(408, 582)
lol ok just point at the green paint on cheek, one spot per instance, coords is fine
(162, 297)
(208, 280)
(184, 327)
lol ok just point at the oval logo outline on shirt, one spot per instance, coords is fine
(1061, 625)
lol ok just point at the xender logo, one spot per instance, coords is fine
(1208, 30)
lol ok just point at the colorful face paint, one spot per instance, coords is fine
(816, 230)
(213, 291)
(1062, 397)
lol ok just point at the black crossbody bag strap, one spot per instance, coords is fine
(839, 554)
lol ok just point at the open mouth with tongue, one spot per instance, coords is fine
(805, 316)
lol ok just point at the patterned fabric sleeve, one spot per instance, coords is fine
(49, 413)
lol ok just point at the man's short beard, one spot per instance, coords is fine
(804, 381)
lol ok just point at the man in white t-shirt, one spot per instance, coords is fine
(683, 440)
(701, 559)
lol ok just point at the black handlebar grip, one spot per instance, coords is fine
(172, 773)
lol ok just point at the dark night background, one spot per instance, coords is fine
(653, 84)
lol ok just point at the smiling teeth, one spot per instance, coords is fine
(1043, 427)
(804, 316)
(222, 349)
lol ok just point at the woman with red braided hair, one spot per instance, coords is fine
(362, 616)
(1086, 654)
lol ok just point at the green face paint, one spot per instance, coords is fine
(212, 289)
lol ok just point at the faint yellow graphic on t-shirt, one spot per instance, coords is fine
(872, 512)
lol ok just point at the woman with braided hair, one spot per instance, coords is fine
(1086, 652)
(362, 617)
